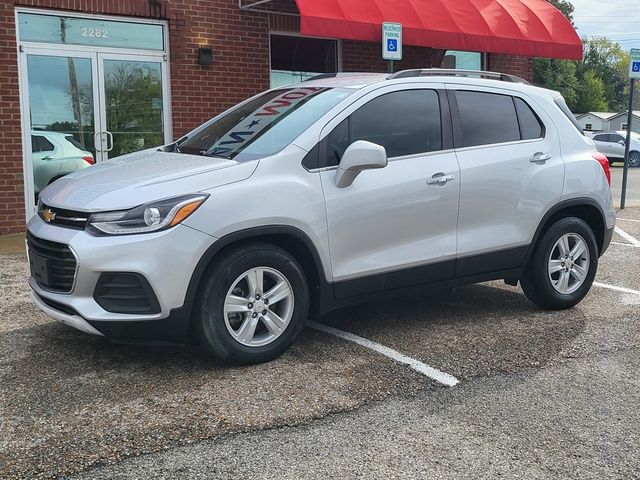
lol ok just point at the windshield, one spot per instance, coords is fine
(265, 125)
(635, 136)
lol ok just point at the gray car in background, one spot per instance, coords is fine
(339, 190)
(612, 145)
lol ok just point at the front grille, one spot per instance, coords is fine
(125, 292)
(64, 218)
(53, 265)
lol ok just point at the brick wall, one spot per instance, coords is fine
(240, 41)
(512, 64)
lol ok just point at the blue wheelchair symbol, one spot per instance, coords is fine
(635, 67)
(392, 45)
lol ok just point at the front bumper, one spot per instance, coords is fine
(165, 259)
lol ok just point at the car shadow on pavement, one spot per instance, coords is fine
(475, 330)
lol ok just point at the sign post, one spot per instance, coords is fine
(391, 43)
(634, 72)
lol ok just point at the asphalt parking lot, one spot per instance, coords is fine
(540, 394)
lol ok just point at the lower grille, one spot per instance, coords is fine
(59, 306)
(125, 292)
(52, 264)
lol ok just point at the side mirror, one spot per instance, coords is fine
(622, 142)
(361, 155)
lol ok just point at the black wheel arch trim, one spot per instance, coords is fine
(255, 233)
(563, 205)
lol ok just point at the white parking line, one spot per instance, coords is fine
(617, 289)
(629, 238)
(625, 244)
(627, 220)
(418, 366)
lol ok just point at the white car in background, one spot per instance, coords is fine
(612, 144)
(56, 154)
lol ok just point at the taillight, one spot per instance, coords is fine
(89, 160)
(604, 161)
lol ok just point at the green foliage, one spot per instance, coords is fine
(559, 75)
(591, 94)
(609, 63)
(598, 83)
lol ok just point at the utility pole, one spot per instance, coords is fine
(625, 172)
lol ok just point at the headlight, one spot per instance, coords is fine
(150, 217)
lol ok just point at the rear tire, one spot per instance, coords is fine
(562, 266)
(240, 317)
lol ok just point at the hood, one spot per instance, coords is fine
(142, 177)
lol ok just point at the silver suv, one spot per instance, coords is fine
(308, 198)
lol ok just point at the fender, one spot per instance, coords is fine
(572, 202)
(322, 295)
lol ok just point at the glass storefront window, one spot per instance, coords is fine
(463, 60)
(89, 31)
(295, 59)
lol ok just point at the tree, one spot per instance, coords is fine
(557, 75)
(609, 63)
(591, 94)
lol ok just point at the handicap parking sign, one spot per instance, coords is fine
(391, 41)
(634, 64)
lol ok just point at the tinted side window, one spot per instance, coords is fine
(405, 123)
(601, 138)
(40, 144)
(530, 125)
(487, 118)
(615, 137)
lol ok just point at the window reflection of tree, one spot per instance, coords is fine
(134, 106)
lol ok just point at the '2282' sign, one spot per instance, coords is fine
(91, 32)
(255, 124)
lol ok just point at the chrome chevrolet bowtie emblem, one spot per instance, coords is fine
(48, 215)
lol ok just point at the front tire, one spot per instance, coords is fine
(252, 305)
(634, 159)
(563, 265)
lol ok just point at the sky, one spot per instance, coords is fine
(617, 19)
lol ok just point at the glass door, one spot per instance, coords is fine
(134, 116)
(61, 127)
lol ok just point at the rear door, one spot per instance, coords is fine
(511, 174)
(393, 227)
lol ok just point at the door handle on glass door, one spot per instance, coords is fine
(440, 179)
(109, 136)
(97, 144)
(540, 157)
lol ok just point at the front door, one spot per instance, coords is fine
(91, 90)
(396, 226)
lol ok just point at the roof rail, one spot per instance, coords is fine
(444, 72)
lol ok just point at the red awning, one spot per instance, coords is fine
(521, 27)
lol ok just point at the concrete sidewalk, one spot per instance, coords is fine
(12, 244)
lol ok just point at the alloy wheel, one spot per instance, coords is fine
(258, 307)
(568, 263)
